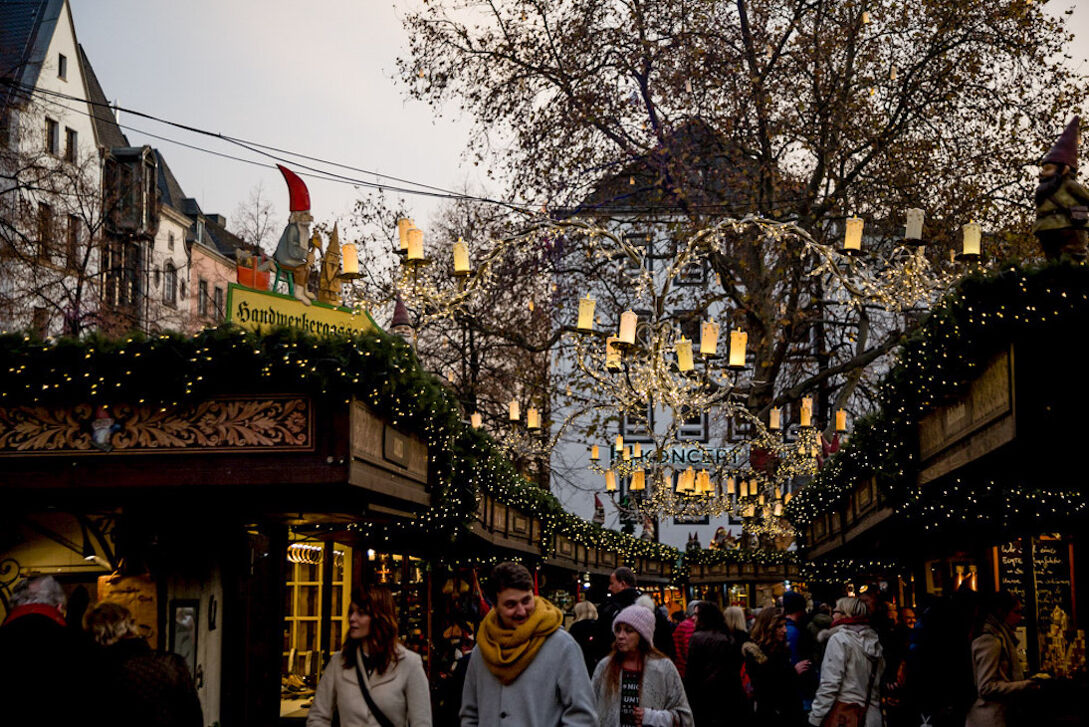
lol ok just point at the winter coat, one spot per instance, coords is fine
(853, 661)
(149, 688)
(775, 686)
(661, 696)
(586, 635)
(553, 690)
(400, 692)
(681, 636)
(1053, 212)
(713, 680)
(998, 675)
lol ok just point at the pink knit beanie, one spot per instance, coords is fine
(639, 618)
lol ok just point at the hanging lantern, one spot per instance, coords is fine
(612, 354)
(628, 322)
(595, 453)
(761, 499)
(731, 486)
(971, 247)
(415, 244)
(744, 491)
(913, 229)
(349, 260)
(515, 410)
(586, 314)
(638, 481)
(841, 421)
(619, 442)
(610, 481)
(461, 258)
(775, 419)
(807, 412)
(708, 338)
(476, 420)
(627, 454)
(738, 341)
(683, 348)
(533, 419)
(852, 239)
(403, 226)
(637, 451)
(703, 482)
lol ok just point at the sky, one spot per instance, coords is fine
(316, 78)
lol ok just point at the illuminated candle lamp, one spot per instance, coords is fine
(786, 498)
(744, 488)
(689, 480)
(709, 338)
(595, 453)
(349, 259)
(628, 322)
(731, 486)
(775, 419)
(586, 314)
(461, 258)
(841, 420)
(683, 348)
(972, 232)
(913, 230)
(515, 410)
(612, 354)
(476, 420)
(619, 442)
(865, 17)
(807, 412)
(778, 509)
(761, 499)
(637, 451)
(703, 482)
(893, 73)
(415, 244)
(738, 341)
(533, 419)
(610, 481)
(627, 454)
(403, 226)
(749, 511)
(638, 481)
(778, 493)
(852, 239)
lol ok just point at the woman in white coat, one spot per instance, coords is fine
(852, 666)
(373, 681)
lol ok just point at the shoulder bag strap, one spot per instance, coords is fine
(378, 714)
(869, 687)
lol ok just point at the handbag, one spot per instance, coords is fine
(845, 714)
(378, 714)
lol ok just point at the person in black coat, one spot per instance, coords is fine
(623, 593)
(142, 688)
(774, 679)
(713, 674)
(585, 632)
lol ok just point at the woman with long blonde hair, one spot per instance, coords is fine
(373, 681)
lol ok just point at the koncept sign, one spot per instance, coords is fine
(262, 310)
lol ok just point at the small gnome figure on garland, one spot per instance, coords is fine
(1062, 204)
(291, 251)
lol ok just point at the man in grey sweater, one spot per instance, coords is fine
(525, 671)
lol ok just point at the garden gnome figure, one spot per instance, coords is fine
(401, 324)
(1062, 204)
(291, 252)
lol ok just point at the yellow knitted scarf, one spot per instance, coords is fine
(508, 652)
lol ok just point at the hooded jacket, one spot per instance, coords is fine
(998, 675)
(852, 655)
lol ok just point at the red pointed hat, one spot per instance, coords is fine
(400, 315)
(1065, 150)
(296, 187)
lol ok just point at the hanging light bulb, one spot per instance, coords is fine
(461, 258)
(708, 338)
(628, 323)
(775, 421)
(638, 481)
(610, 481)
(586, 314)
(683, 348)
(515, 410)
(852, 239)
(738, 342)
(476, 420)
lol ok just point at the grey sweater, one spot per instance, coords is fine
(553, 691)
(661, 696)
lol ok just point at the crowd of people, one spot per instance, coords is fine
(624, 663)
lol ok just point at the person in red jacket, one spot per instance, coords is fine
(681, 636)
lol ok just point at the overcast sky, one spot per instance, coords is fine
(316, 78)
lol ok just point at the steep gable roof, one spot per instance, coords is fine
(107, 132)
(26, 27)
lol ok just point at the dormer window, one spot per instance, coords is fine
(170, 241)
(62, 67)
(200, 231)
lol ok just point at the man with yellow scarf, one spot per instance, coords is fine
(525, 671)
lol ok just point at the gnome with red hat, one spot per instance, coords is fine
(1062, 205)
(291, 252)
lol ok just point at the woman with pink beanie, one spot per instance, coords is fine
(636, 685)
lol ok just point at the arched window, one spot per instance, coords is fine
(170, 284)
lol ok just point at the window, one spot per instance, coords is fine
(694, 272)
(202, 297)
(170, 241)
(638, 425)
(219, 303)
(121, 262)
(72, 248)
(693, 428)
(62, 67)
(52, 136)
(71, 145)
(170, 285)
(45, 230)
(643, 243)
